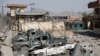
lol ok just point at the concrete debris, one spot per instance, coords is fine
(38, 40)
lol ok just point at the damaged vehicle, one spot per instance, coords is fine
(82, 49)
(25, 40)
(31, 40)
(52, 50)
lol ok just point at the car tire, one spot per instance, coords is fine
(24, 51)
(41, 54)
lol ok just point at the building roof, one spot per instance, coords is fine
(66, 14)
(38, 10)
(35, 11)
(16, 5)
(94, 4)
(29, 13)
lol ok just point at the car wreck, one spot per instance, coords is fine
(34, 42)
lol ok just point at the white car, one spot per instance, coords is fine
(52, 50)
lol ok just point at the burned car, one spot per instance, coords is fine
(24, 39)
(20, 40)
(31, 40)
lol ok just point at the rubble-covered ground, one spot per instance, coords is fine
(90, 37)
(80, 36)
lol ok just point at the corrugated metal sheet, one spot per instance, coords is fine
(30, 13)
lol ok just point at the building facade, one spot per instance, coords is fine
(15, 8)
(96, 19)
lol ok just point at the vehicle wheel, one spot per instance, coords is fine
(24, 51)
(40, 54)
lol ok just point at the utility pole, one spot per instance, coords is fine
(31, 5)
(2, 8)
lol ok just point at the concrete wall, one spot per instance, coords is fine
(14, 10)
(45, 26)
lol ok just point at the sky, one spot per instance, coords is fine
(53, 5)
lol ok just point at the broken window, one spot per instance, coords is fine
(33, 33)
(38, 39)
(75, 25)
(44, 37)
(81, 25)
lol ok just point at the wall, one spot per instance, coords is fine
(45, 26)
(97, 20)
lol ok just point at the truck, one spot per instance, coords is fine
(24, 40)
(33, 39)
